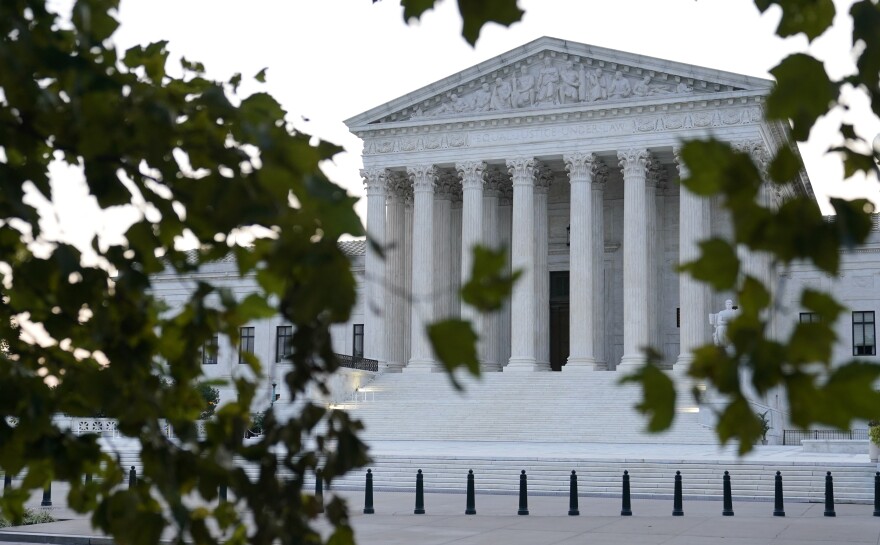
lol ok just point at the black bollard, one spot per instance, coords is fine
(829, 496)
(523, 495)
(626, 508)
(778, 509)
(47, 496)
(7, 481)
(727, 509)
(368, 494)
(677, 511)
(471, 503)
(319, 490)
(420, 495)
(573, 495)
(223, 493)
(877, 494)
(132, 477)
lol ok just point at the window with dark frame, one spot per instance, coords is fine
(678, 317)
(864, 334)
(210, 350)
(283, 333)
(245, 343)
(810, 318)
(357, 341)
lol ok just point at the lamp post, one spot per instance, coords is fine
(272, 401)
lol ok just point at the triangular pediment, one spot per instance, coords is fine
(551, 74)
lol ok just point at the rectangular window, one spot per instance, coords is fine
(864, 341)
(282, 342)
(357, 341)
(810, 318)
(245, 343)
(210, 350)
(678, 317)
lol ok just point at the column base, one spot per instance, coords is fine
(490, 367)
(575, 365)
(392, 367)
(629, 363)
(420, 366)
(525, 365)
(682, 364)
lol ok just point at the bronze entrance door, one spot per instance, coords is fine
(559, 317)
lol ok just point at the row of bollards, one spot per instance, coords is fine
(626, 502)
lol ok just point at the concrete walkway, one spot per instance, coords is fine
(600, 522)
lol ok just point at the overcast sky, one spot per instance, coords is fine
(331, 59)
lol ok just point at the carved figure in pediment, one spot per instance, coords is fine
(455, 105)
(501, 95)
(548, 83)
(683, 87)
(482, 98)
(596, 83)
(524, 85)
(642, 88)
(570, 86)
(620, 87)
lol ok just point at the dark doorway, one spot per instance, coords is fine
(559, 316)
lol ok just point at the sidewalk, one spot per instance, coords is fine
(548, 523)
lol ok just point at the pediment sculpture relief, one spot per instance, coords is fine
(551, 83)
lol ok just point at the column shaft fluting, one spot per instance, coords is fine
(395, 285)
(407, 273)
(423, 178)
(652, 179)
(455, 261)
(374, 335)
(543, 179)
(635, 270)
(491, 238)
(522, 350)
(600, 178)
(504, 230)
(472, 181)
(444, 189)
(581, 250)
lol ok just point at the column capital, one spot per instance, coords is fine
(599, 175)
(472, 173)
(374, 179)
(397, 185)
(496, 182)
(543, 178)
(633, 161)
(683, 171)
(423, 177)
(757, 151)
(656, 174)
(446, 186)
(579, 166)
(522, 170)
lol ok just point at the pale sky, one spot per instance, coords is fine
(331, 59)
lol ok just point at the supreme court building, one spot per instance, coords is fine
(568, 155)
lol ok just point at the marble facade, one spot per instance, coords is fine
(567, 154)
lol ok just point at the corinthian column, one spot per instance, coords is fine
(543, 178)
(471, 173)
(654, 247)
(423, 177)
(374, 332)
(495, 181)
(396, 292)
(505, 203)
(600, 178)
(444, 190)
(407, 273)
(691, 297)
(455, 260)
(581, 289)
(635, 257)
(522, 350)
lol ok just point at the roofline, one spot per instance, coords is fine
(562, 46)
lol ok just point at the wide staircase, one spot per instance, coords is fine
(537, 407)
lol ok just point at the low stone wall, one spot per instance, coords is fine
(838, 446)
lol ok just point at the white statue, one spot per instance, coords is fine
(620, 87)
(524, 85)
(548, 83)
(482, 98)
(501, 95)
(597, 89)
(721, 320)
(642, 89)
(569, 89)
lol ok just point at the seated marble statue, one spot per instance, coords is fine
(721, 320)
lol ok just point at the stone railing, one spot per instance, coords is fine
(107, 427)
(362, 364)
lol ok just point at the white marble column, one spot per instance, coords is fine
(495, 180)
(472, 181)
(652, 180)
(374, 330)
(600, 179)
(692, 304)
(455, 261)
(505, 211)
(423, 177)
(543, 179)
(522, 350)
(396, 292)
(581, 264)
(444, 189)
(407, 271)
(635, 254)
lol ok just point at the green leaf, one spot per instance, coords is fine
(455, 345)
(788, 101)
(261, 75)
(476, 13)
(822, 304)
(490, 284)
(852, 222)
(812, 17)
(717, 265)
(658, 395)
(413, 9)
(785, 166)
(737, 420)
